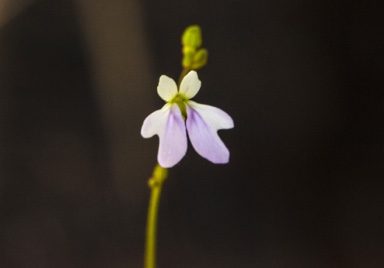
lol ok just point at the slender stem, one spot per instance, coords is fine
(183, 73)
(155, 183)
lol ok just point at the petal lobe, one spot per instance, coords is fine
(190, 85)
(203, 121)
(169, 125)
(167, 88)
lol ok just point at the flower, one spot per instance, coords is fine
(180, 115)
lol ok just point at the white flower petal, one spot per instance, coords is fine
(190, 85)
(169, 125)
(215, 117)
(167, 88)
(154, 123)
(203, 121)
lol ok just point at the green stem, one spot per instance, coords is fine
(183, 73)
(159, 175)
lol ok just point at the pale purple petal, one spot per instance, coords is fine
(167, 88)
(169, 125)
(190, 85)
(203, 121)
(155, 122)
(215, 117)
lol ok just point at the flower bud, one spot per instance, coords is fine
(192, 37)
(199, 59)
(188, 60)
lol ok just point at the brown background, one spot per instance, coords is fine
(303, 81)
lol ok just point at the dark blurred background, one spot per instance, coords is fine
(303, 81)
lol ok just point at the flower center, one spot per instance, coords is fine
(180, 101)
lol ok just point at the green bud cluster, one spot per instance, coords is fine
(194, 57)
